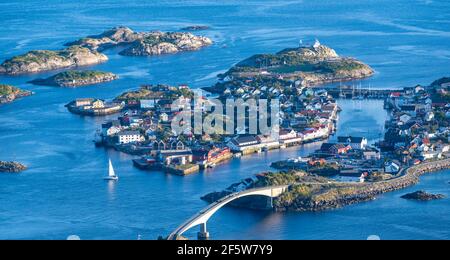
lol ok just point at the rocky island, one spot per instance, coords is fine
(195, 28)
(86, 51)
(76, 78)
(9, 93)
(422, 196)
(304, 65)
(157, 43)
(108, 39)
(313, 193)
(11, 167)
(45, 60)
(143, 43)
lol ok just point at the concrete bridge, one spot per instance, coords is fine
(203, 216)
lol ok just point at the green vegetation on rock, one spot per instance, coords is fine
(74, 78)
(311, 65)
(156, 92)
(8, 90)
(79, 75)
(10, 93)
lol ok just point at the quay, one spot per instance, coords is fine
(351, 92)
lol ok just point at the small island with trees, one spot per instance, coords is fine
(76, 78)
(10, 93)
(307, 65)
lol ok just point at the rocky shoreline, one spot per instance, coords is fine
(45, 60)
(323, 196)
(158, 43)
(308, 65)
(336, 198)
(9, 93)
(11, 167)
(75, 78)
(422, 196)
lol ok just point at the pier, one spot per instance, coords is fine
(352, 92)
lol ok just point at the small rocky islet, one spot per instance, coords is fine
(87, 51)
(195, 28)
(10, 93)
(422, 196)
(45, 60)
(11, 167)
(307, 65)
(76, 78)
(144, 43)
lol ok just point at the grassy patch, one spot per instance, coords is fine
(7, 90)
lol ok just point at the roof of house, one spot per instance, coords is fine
(242, 139)
(408, 108)
(130, 133)
(328, 146)
(84, 99)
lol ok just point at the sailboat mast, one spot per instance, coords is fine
(111, 169)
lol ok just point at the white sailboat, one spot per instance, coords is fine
(111, 174)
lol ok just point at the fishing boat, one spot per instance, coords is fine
(111, 174)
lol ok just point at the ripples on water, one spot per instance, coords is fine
(63, 193)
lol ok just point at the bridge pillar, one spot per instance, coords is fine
(203, 234)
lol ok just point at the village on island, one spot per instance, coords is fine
(417, 130)
(416, 133)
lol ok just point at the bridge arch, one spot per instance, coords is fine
(204, 215)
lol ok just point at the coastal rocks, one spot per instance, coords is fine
(157, 43)
(319, 194)
(143, 43)
(44, 60)
(195, 28)
(86, 51)
(76, 78)
(306, 65)
(422, 196)
(108, 39)
(11, 167)
(9, 93)
(315, 53)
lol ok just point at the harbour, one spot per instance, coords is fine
(62, 192)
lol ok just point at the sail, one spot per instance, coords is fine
(111, 169)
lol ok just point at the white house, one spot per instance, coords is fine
(164, 117)
(112, 130)
(371, 154)
(354, 142)
(267, 141)
(429, 116)
(127, 137)
(391, 167)
(243, 143)
(426, 155)
(287, 134)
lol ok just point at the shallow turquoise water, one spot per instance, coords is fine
(407, 42)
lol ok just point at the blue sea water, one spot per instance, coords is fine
(406, 42)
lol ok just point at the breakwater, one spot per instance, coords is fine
(336, 196)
